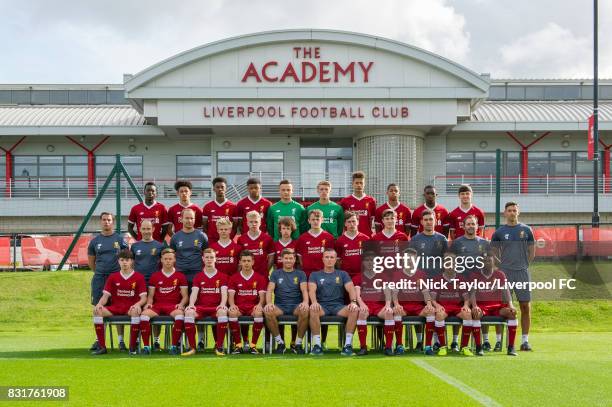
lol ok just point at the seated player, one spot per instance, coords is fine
(247, 296)
(490, 300)
(413, 300)
(326, 289)
(449, 299)
(208, 299)
(226, 250)
(286, 227)
(167, 296)
(372, 301)
(259, 244)
(127, 291)
(290, 290)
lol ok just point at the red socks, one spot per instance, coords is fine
(429, 329)
(177, 329)
(388, 330)
(465, 333)
(220, 331)
(476, 332)
(399, 329)
(190, 331)
(512, 325)
(145, 330)
(235, 329)
(134, 331)
(362, 332)
(257, 327)
(441, 331)
(99, 328)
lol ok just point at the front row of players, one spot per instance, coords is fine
(325, 293)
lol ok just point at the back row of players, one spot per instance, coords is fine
(308, 232)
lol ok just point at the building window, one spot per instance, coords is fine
(237, 167)
(132, 163)
(322, 159)
(195, 168)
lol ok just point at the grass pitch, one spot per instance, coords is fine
(45, 329)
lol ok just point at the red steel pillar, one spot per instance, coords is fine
(91, 165)
(8, 175)
(525, 159)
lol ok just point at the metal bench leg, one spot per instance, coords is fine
(110, 331)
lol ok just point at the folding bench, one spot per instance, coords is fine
(115, 320)
(340, 322)
(375, 322)
(166, 322)
(212, 322)
(409, 322)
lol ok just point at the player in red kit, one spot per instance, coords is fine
(208, 299)
(226, 250)
(311, 244)
(217, 208)
(413, 299)
(465, 208)
(449, 298)
(183, 191)
(259, 244)
(372, 300)
(247, 296)
(149, 210)
(252, 202)
(360, 203)
(440, 212)
(128, 292)
(349, 245)
(389, 233)
(489, 299)
(404, 215)
(167, 296)
(286, 227)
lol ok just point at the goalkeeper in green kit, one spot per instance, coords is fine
(333, 214)
(286, 208)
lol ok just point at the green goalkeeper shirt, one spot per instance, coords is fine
(292, 210)
(333, 217)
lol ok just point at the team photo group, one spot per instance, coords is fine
(275, 262)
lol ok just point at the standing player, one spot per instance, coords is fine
(389, 233)
(449, 299)
(167, 296)
(430, 204)
(220, 207)
(326, 289)
(286, 226)
(226, 250)
(128, 292)
(514, 242)
(465, 208)
(360, 203)
(290, 290)
(208, 299)
(310, 245)
(404, 216)
(333, 214)
(151, 210)
(102, 257)
(488, 299)
(183, 191)
(252, 202)
(286, 207)
(349, 245)
(147, 260)
(259, 244)
(147, 252)
(372, 301)
(429, 245)
(247, 296)
(189, 243)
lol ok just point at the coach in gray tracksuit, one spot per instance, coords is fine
(515, 246)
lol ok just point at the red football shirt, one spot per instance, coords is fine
(412, 290)
(213, 211)
(167, 287)
(489, 291)
(441, 218)
(278, 249)
(156, 213)
(247, 289)
(174, 215)
(457, 215)
(452, 294)
(261, 247)
(246, 205)
(404, 216)
(369, 294)
(125, 291)
(395, 237)
(227, 257)
(209, 288)
(365, 207)
(310, 249)
(349, 252)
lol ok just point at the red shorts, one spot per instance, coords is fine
(452, 309)
(163, 309)
(246, 309)
(412, 308)
(492, 309)
(203, 312)
(118, 309)
(374, 308)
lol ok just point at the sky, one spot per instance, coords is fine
(82, 41)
